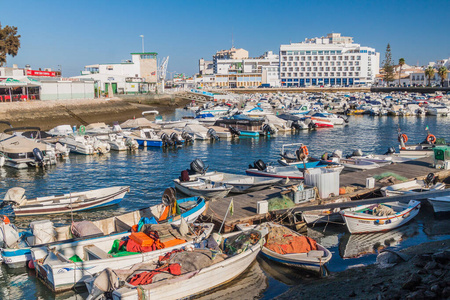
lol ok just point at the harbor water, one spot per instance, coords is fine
(150, 171)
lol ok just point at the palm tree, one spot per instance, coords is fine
(401, 62)
(443, 73)
(429, 73)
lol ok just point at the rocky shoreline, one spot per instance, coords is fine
(48, 114)
(424, 275)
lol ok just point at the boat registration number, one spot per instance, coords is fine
(363, 221)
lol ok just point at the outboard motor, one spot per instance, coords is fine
(357, 153)
(213, 134)
(391, 150)
(198, 166)
(312, 125)
(337, 153)
(174, 137)
(430, 179)
(234, 131)
(187, 137)
(267, 129)
(38, 156)
(345, 119)
(295, 125)
(131, 143)
(260, 165)
(166, 140)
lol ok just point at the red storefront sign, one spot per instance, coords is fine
(41, 73)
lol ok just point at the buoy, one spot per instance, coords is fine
(342, 191)
(30, 265)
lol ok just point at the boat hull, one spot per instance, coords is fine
(70, 203)
(214, 193)
(440, 204)
(195, 282)
(364, 223)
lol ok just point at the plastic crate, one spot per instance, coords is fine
(308, 194)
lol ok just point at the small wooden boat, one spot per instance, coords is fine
(66, 203)
(322, 216)
(412, 186)
(19, 252)
(440, 204)
(261, 169)
(220, 269)
(239, 183)
(381, 217)
(202, 188)
(58, 269)
(292, 249)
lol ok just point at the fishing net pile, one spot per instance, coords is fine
(280, 203)
(383, 210)
(283, 241)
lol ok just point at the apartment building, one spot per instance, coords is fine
(333, 60)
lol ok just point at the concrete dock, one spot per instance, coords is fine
(245, 205)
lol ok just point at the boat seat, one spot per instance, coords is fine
(187, 205)
(316, 253)
(93, 252)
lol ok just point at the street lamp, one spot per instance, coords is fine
(142, 43)
(60, 70)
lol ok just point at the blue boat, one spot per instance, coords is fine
(189, 208)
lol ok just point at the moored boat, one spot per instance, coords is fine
(236, 255)
(66, 203)
(412, 186)
(292, 249)
(17, 250)
(440, 204)
(261, 169)
(381, 217)
(65, 266)
(200, 187)
(239, 183)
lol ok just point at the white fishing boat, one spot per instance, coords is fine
(200, 132)
(305, 254)
(279, 124)
(61, 130)
(412, 186)
(383, 159)
(320, 216)
(85, 144)
(379, 217)
(440, 204)
(200, 187)
(330, 117)
(261, 169)
(192, 279)
(17, 249)
(239, 183)
(66, 203)
(56, 269)
(437, 110)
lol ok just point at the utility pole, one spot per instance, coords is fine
(142, 43)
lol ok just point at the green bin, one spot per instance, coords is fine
(442, 153)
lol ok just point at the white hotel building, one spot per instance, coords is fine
(333, 60)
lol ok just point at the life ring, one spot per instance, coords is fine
(5, 219)
(404, 137)
(431, 138)
(82, 130)
(305, 150)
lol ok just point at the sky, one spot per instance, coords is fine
(72, 34)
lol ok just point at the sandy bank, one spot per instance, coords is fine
(48, 114)
(425, 276)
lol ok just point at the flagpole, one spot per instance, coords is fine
(226, 214)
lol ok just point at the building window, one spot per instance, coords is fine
(315, 57)
(338, 74)
(358, 57)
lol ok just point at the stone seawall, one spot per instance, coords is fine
(48, 114)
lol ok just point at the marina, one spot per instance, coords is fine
(166, 164)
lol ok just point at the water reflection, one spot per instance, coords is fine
(357, 245)
(149, 171)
